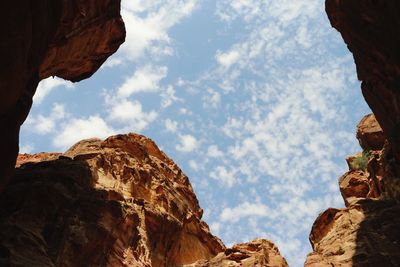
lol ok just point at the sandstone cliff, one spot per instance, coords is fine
(42, 38)
(366, 232)
(117, 202)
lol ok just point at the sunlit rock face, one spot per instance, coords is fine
(42, 38)
(259, 252)
(117, 202)
(366, 232)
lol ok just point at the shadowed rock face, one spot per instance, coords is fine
(367, 231)
(42, 38)
(117, 202)
(371, 30)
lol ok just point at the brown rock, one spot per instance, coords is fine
(259, 252)
(370, 31)
(42, 38)
(353, 185)
(370, 134)
(39, 157)
(365, 234)
(117, 202)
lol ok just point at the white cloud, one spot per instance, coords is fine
(148, 23)
(171, 125)
(224, 176)
(26, 149)
(227, 59)
(212, 99)
(75, 130)
(168, 97)
(42, 125)
(145, 79)
(246, 210)
(131, 115)
(188, 143)
(46, 86)
(214, 152)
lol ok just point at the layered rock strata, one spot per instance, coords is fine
(117, 202)
(43, 38)
(366, 232)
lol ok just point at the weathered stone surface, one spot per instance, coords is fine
(366, 232)
(42, 38)
(353, 185)
(372, 33)
(259, 252)
(117, 202)
(370, 134)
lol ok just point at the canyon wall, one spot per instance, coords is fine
(42, 38)
(117, 202)
(366, 232)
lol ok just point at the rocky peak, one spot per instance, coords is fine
(114, 202)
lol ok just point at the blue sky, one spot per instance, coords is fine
(257, 101)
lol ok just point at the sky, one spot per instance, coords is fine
(256, 100)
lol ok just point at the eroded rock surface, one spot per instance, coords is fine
(366, 232)
(42, 38)
(117, 202)
(259, 252)
(372, 33)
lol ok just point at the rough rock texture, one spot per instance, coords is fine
(366, 232)
(42, 38)
(259, 252)
(371, 30)
(370, 134)
(117, 202)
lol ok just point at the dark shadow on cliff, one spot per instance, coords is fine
(378, 236)
(52, 216)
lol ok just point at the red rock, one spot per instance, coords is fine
(366, 233)
(370, 134)
(353, 185)
(39, 157)
(117, 202)
(42, 38)
(370, 31)
(259, 252)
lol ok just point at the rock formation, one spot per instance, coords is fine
(259, 252)
(117, 202)
(43, 38)
(366, 232)
(370, 30)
